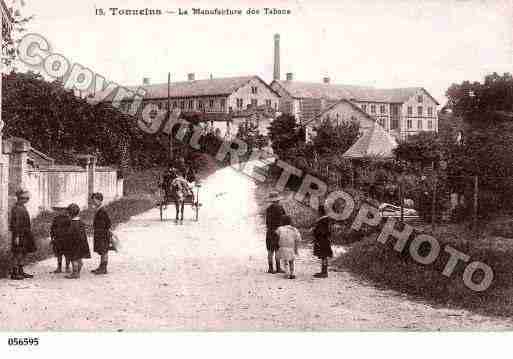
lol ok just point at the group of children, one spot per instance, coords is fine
(68, 237)
(282, 238)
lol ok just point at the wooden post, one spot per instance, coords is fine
(476, 196)
(433, 205)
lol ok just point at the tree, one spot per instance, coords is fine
(248, 132)
(10, 38)
(285, 133)
(331, 139)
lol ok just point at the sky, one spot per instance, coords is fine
(385, 44)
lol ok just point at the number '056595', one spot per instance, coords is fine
(23, 341)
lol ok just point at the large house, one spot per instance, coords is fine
(217, 99)
(401, 111)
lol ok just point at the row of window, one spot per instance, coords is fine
(420, 111)
(409, 124)
(394, 124)
(382, 109)
(254, 103)
(395, 110)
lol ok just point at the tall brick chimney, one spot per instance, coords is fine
(276, 74)
(190, 76)
(290, 76)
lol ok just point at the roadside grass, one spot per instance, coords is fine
(384, 267)
(141, 194)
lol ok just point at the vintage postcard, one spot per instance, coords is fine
(256, 166)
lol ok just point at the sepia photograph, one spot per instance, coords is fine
(255, 166)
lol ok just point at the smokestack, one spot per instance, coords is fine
(190, 76)
(326, 80)
(290, 76)
(146, 81)
(276, 74)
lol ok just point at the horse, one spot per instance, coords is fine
(180, 190)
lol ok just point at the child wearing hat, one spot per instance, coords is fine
(22, 240)
(322, 244)
(101, 233)
(58, 234)
(77, 247)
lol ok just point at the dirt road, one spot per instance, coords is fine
(211, 275)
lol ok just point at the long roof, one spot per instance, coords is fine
(195, 88)
(374, 142)
(300, 89)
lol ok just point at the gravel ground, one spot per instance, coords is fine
(210, 275)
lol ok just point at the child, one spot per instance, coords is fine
(101, 232)
(58, 234)
(273, 216)
(322, 245)
(22, 238)
(77, 246)
(288, 242)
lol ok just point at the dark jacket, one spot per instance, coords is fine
(322, 234)
(76, 245)
(58, 233)
(101, 231)
(19, 225)
(273, 216)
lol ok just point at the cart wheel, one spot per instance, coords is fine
(161, 212)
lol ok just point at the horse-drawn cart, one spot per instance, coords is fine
(170, 197)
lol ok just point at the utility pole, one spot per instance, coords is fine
(433, 205)
(476, 196)
(169, 117)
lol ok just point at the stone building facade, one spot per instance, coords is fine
(401, 111)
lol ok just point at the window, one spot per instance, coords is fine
(419, 124)
(276, 106)
(191, 104)
(200, 105)
(373, 108)
(364, 108)
(182, 105)
(383, 109)
(211, 103)
(395, 110)
(430, 124)
(240, 103)
(268, 103)
(410, 110)
(419, 111)
(382, 122)
(394, 124)
(223, 103)
(254, 102)
(175, 104)
(409, 124)
(159, 105)
(419, 99)
(430, 111)
(254, 90)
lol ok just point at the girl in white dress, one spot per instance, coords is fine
(289, 238)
